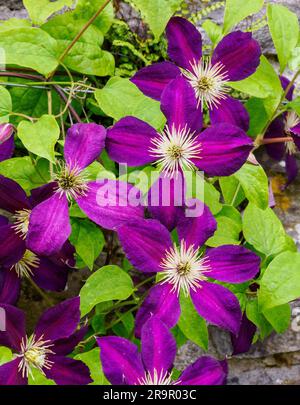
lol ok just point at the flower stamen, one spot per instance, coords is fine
(21, 222)
(163, 378)
(25, 266)
(72, 182)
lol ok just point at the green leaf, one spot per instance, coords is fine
(107, 283)
(5, 102)
(38, 378)
(284, 29)
(295, 105)
(92, 360)
(264, 231)
(254, 182)
(294, 61)
(85, 9)
(213, 30)
(120, 98)
(279, 317)
(88, 240)
(258, 116)
(5, 355)
(232, 192)
(191, 324)
(237, 10)
(157, 13)
(255, 315)
(40, 10)
(31, 48)
(280, 283)
(229, 228)
(40, 137)
(14, 23)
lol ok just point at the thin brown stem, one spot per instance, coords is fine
(269, 141)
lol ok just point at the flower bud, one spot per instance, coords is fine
(6, 131)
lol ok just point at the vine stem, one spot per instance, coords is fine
(269, 141)
(42, 294)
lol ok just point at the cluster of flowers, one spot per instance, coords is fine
(34, 233)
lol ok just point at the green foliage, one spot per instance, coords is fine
(237, 10)
(229, 227)
(40, 10)
(5, 104)
(92, 360)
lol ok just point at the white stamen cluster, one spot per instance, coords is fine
(34, 354)
(184, 268)
(21, 222)
(162, 378)
(291, 120)
(25, 266)
(209, 82)
(175, 149)
(72, 182)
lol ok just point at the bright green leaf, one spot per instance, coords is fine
(92, 360)
(40, 10)
(279, 317)
(229, 227)
(5, 355)
(232, 191)
(85, 9)
(258, 116)
(38, 378)
(213, 30)
(5, 102)
(255, 315)
(237, 10)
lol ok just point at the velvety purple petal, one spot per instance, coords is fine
(284, 83)
(230, 111)
(60, 321)
(12, 196)
(184, 42)
(66, 371)
(9, 374)
(111, 203)
(145, 243)
(218, 306)
(276, 130)
(232, 263)
(225, 148)
(291, 168)
(12, 246)
(3, 220)
(7, 149)
(180, 106)
(50, 276)
(49, 226)
(166, 200)
(196, 230)
(40, 194)
(239, 53)
(152, 80)
(243, 341)
(295, 132)
(162, 303)
(14, 327)
(121, 361)
(204, 371)
(65, 346)
(9, 286)
(129, 141)
(158, 346)
(65, 256)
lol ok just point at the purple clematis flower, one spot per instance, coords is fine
(243, 341)
(49, 226)
(235, 58)
(124, 365)
(46, 350)
(7, 144)
(182, 268)
(219, 150)
(286, 125)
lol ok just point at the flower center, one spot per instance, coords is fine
(175, 149)
(209, 82)
(291, 120)
(28, 262)
(184, 268)
(34, 353)
(71, 181)
(163, 378)
(21, 222)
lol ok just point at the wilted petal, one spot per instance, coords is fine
(218, 306)
(14, 327)
(153, 79)
(184, 42)
(12, 196)
(276, 130)
(145, 243)
(111, 203)
(239, 53)
(243, 341)
(9, 286)
(162, 303)
(285, 83)
(225, 148)
(204, 371)
(230, 111)
(291, 167)
(9, 374)
(120, 360)
(7, 149)
(66, 371)
(49, 226)
(60, 321)
(50, 276)
(12, 246)
(129, 141)
(84, 143)
(232, 264)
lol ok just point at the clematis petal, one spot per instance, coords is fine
(49, 226)
(166, 200)
(12, 197)
(239, 53)
(204, 371)
(291, 167)
(285, 83)
(275, 130)
(111, 203)
(225, 148)
(184, 42)
(232, 264)
(218, 306)
(243, 341)
(9, 286)
(196, 230)
(66, 371)
(158, 346)
(84, 143)
(179, 105)
(14, 327)
(295, 133)
(3, 220)
(60, 321)
(230, 111)
(50, 276)
(40, 194)
(162, 303)
(10, 375)
(12, 246)
(153, 79)
(63, 347)
(121, 361)
(129, 141)
(7, 149)
(145, 243)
